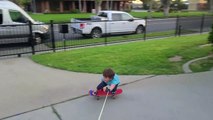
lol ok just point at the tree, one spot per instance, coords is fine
(210, 2)
(166, 6)
(146, 3)
(210, 38)
(22, 2)
(98, 5)
(79, 5)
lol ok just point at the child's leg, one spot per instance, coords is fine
(101, 85)
(115, 88)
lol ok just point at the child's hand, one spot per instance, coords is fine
(107, 89)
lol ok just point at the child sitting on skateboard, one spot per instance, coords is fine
(109, 78)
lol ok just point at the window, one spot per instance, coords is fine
(16, 16)
(102, 14)
(1, 17)
(116, 16)
(126, 17)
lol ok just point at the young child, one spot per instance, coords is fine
(109, 79)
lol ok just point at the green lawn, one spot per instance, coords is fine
(172, 14)
(110, 39)
(66, 17)
(202, 65)
(59, 17)
(149, 57)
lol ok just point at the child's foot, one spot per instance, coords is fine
(113, 93)
(92, 93)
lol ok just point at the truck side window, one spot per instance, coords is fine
(126, 17)
(1, 17)
(116, 16)
(16, 16)
(102, 14)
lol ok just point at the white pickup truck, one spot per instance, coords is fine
(108, 22)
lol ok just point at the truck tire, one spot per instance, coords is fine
(96, 33)
(85, 35)
(38, 38)
(139, 29)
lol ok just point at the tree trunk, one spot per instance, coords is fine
(166, 10)
(111, 4)
(98, 6)
(150, 9)
(79, 5)
(166, 6)
(84, 6)
(211, 5)
(107, 4)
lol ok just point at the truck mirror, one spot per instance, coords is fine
(130, 20)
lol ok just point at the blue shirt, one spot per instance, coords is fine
(114, 81)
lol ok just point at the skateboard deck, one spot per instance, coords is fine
(101, 93)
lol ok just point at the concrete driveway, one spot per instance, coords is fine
(26, 87)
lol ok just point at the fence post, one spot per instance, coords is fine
(52, 35)
(31, 39)
(179, 30)
(105, 40)
(202, 23)
(177, 26)
(144, 36)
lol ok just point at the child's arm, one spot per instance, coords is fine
(112, 87)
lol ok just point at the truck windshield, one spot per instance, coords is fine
(102, 14)
(126, 17)
(1, 17)
(16, 16)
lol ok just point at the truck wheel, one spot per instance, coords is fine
(96, 33)
(38, 39)
(85, 35)
(139, 29)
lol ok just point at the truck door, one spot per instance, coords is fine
(129, 23)
(19, 26)
(116, 25)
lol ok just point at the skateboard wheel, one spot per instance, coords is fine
(113, 97)
(97, 98)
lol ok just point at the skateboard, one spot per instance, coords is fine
(102, 93)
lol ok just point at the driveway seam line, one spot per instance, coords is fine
(56, 112)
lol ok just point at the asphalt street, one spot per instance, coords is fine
(153, 25)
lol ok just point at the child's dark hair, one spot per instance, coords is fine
(109, 73)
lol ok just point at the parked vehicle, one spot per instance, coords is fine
(108, 22)
(14, 23)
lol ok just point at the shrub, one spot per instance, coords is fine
(210, 38)
(75, 11)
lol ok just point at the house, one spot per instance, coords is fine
(60, 6)
(198, 5)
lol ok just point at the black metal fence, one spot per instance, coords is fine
(29, 39)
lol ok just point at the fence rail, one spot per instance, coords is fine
(24, 39)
